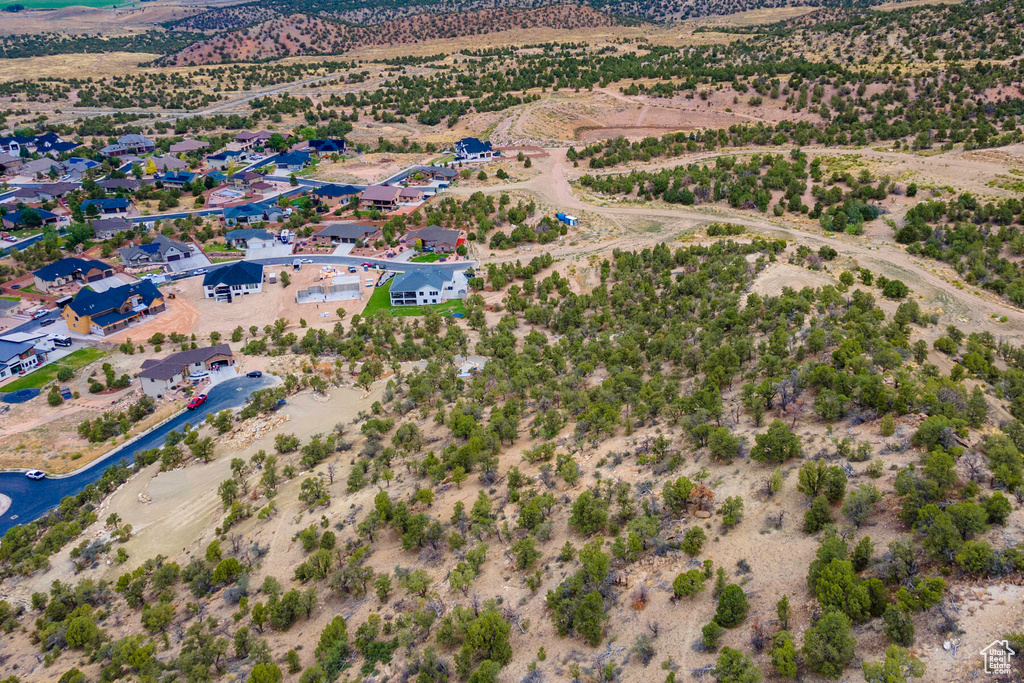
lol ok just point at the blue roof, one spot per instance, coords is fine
(226, 154)
(336, 190)
(16, 216)
(180, 176)
(244, 211)
(240, 273)
(329, 145)
(108, 203)
(67, 266)
(90, 303)
(473, 146)
(108, 319)
(293, 158)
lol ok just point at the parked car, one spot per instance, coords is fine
(40, 314)
(254, 373)
(351, 269)
(35, 474)
(198, 375)
(48, 322)
(61, 340)
(200, 271)
(197, 401)
(307, 260)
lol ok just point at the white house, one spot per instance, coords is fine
(17, 358)
(238, 279)
(420, 288)
(158, 377)
(472, 149)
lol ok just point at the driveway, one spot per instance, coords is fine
(30, 500)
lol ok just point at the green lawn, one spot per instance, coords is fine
(380, 300)
(425, 258)
(48, 373)
(221, 248)
(10, 298)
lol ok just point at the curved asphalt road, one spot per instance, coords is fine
(31, 499)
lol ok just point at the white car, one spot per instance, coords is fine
(40, 314)
(307, 260)
(200, 271)
(35, 474)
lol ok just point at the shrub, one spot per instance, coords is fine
(688, 583)
(829, 645)
(732, 607)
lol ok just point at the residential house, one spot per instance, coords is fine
(68, 270)
(109, 206)
(239, 239)
(45, 193)
(132, 143)
(434, 238)
(438, 172)
(238, 279)
(410, 195)
(250, 140)
(10, 163)
(106, 228)
(420, 288)
(126, 184)
(332, 196)
(472, 149)
(381, 197)
(9, 308)
(223, 160)
(243, 181)
(48, 143)
(158, 377)
(166, 164)
(37, 168)
(16, 358)
(178, 179)
(188, 146)
(292, 162)
(160, 251)
(343, 233)
(103, 313)
(329, 146)
(255, 212)
(17, 219)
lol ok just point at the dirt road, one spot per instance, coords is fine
(969, 308)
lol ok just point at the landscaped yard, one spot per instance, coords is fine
(48, 373)
(380, 300)
(221, 248)
(425, 258)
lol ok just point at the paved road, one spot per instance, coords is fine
(31, 499)
(33, 325)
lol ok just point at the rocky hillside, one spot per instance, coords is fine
(300, 34)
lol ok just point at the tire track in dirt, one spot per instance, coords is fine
(553, 187)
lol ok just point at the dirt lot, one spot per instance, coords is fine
(276, 301)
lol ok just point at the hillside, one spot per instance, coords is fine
(298, 34)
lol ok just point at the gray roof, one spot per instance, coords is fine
(156, 250)
(175, 363)
(352, 231)
(9, 350)
(112, 225)
(247, 234)
(435, 234)
(417, 279)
